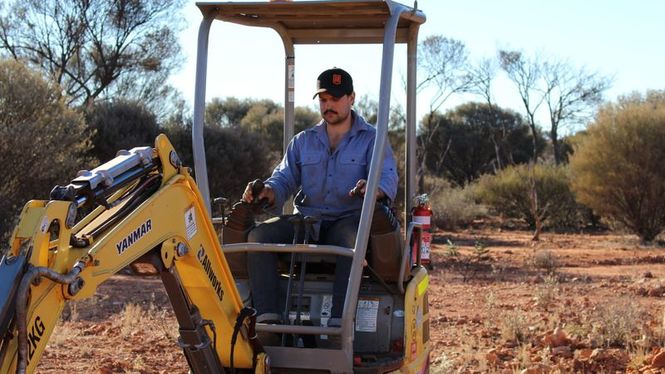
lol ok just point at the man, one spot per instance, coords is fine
(322, 166)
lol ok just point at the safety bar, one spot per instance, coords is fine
(288, 248)
(299, 329)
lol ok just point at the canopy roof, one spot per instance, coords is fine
(318, 22)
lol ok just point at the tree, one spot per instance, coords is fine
(474, 139)
(120, 125)
(482, 75)
(96, 48)
(369, 109)
(227, 112)
(526, 75)
(443, 63)
(266, 119)
(571, 95)
(305, 118)
(42, 142)
(618, 164)
(233, 157)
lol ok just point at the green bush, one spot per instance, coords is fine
(508, 193)
(42, 141)
(120, 125)
(618, 165)
(234, 157)
(452, 207)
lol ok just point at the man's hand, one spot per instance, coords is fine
(361, 187)
(267, 194)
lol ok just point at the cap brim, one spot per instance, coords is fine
(320, 90)
(335, 93)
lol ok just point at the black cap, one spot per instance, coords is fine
(335, 81)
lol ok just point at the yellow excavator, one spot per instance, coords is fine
(144, 206)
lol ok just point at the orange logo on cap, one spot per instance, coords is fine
(337, 79)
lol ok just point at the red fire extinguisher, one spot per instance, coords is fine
(422, 214)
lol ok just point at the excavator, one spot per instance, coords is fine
(145, 206)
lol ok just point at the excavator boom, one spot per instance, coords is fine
(142, 205)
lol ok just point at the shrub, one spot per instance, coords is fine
(42, 141)
(452, 207)
(508, 193)
(120, 125)
(618, 168)
(545, 260)
(234, 157)
(619, 323)
(514, 326)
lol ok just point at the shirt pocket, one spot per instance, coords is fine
(353, 159)
(310, 158)
(311, 172)
(353, 166)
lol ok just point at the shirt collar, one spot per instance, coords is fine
(359, 124)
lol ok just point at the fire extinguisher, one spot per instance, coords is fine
(422, 214)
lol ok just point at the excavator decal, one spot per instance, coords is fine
(35, 335)
(207, 266)
(134, 236)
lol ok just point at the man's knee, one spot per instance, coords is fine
(271, 231)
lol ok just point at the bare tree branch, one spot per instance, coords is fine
(571, 96)
(96, 48)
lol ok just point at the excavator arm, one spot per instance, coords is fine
(142, 205)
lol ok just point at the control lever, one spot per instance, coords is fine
(220, 202)
(257, 187)
(296, 221)
(309, 222)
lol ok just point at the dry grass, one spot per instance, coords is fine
(513, 326)
(136, 319)
(63, 333)
(547, 292)
(619, 323)
(545, 260)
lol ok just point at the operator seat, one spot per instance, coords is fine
(384, 253)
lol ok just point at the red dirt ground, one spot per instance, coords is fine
(499, 303)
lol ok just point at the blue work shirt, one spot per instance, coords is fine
(322, 179)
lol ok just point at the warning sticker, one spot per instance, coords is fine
(366, 314)
(44, 225)
(190, 223)
(426, 242)
(291, 71)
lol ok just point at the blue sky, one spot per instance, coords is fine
(619, 38)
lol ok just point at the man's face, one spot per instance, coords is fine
(335, 110)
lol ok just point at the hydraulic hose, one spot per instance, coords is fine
(22, 304)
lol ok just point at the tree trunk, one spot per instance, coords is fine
(534, 157)
(555, 146)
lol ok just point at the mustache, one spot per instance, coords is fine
(329, 111)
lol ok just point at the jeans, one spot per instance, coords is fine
(262, 266)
